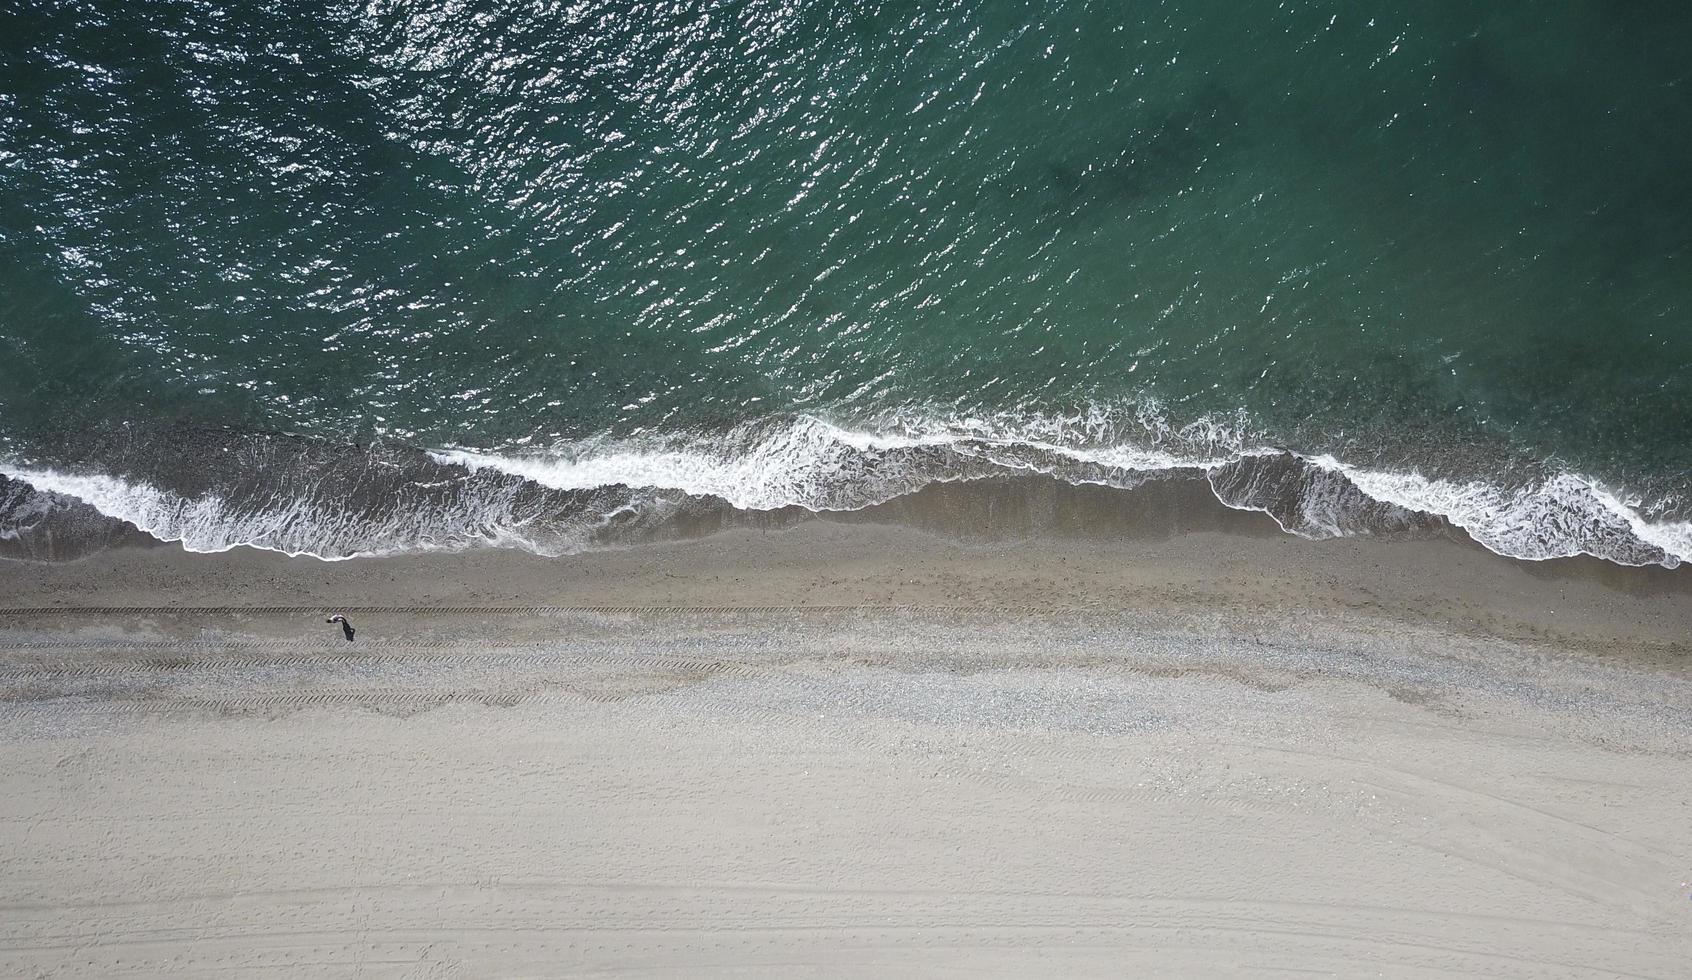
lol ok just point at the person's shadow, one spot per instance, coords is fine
(346, 627)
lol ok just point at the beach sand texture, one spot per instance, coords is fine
(1110, 776)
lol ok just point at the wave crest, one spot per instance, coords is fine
(302, 498)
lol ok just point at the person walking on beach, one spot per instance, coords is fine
(346, 627)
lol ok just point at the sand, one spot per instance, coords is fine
(849, 750)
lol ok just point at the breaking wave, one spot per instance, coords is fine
(302, 497)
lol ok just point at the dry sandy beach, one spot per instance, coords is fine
(1190, 746)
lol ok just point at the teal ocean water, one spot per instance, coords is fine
(352, 278)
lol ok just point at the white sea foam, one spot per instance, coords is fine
(810, 464)
(1560, 517)
(819, 466)
(208, 523)
(814, 464)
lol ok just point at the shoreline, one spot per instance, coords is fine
(1033, 547)
(365, 501)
